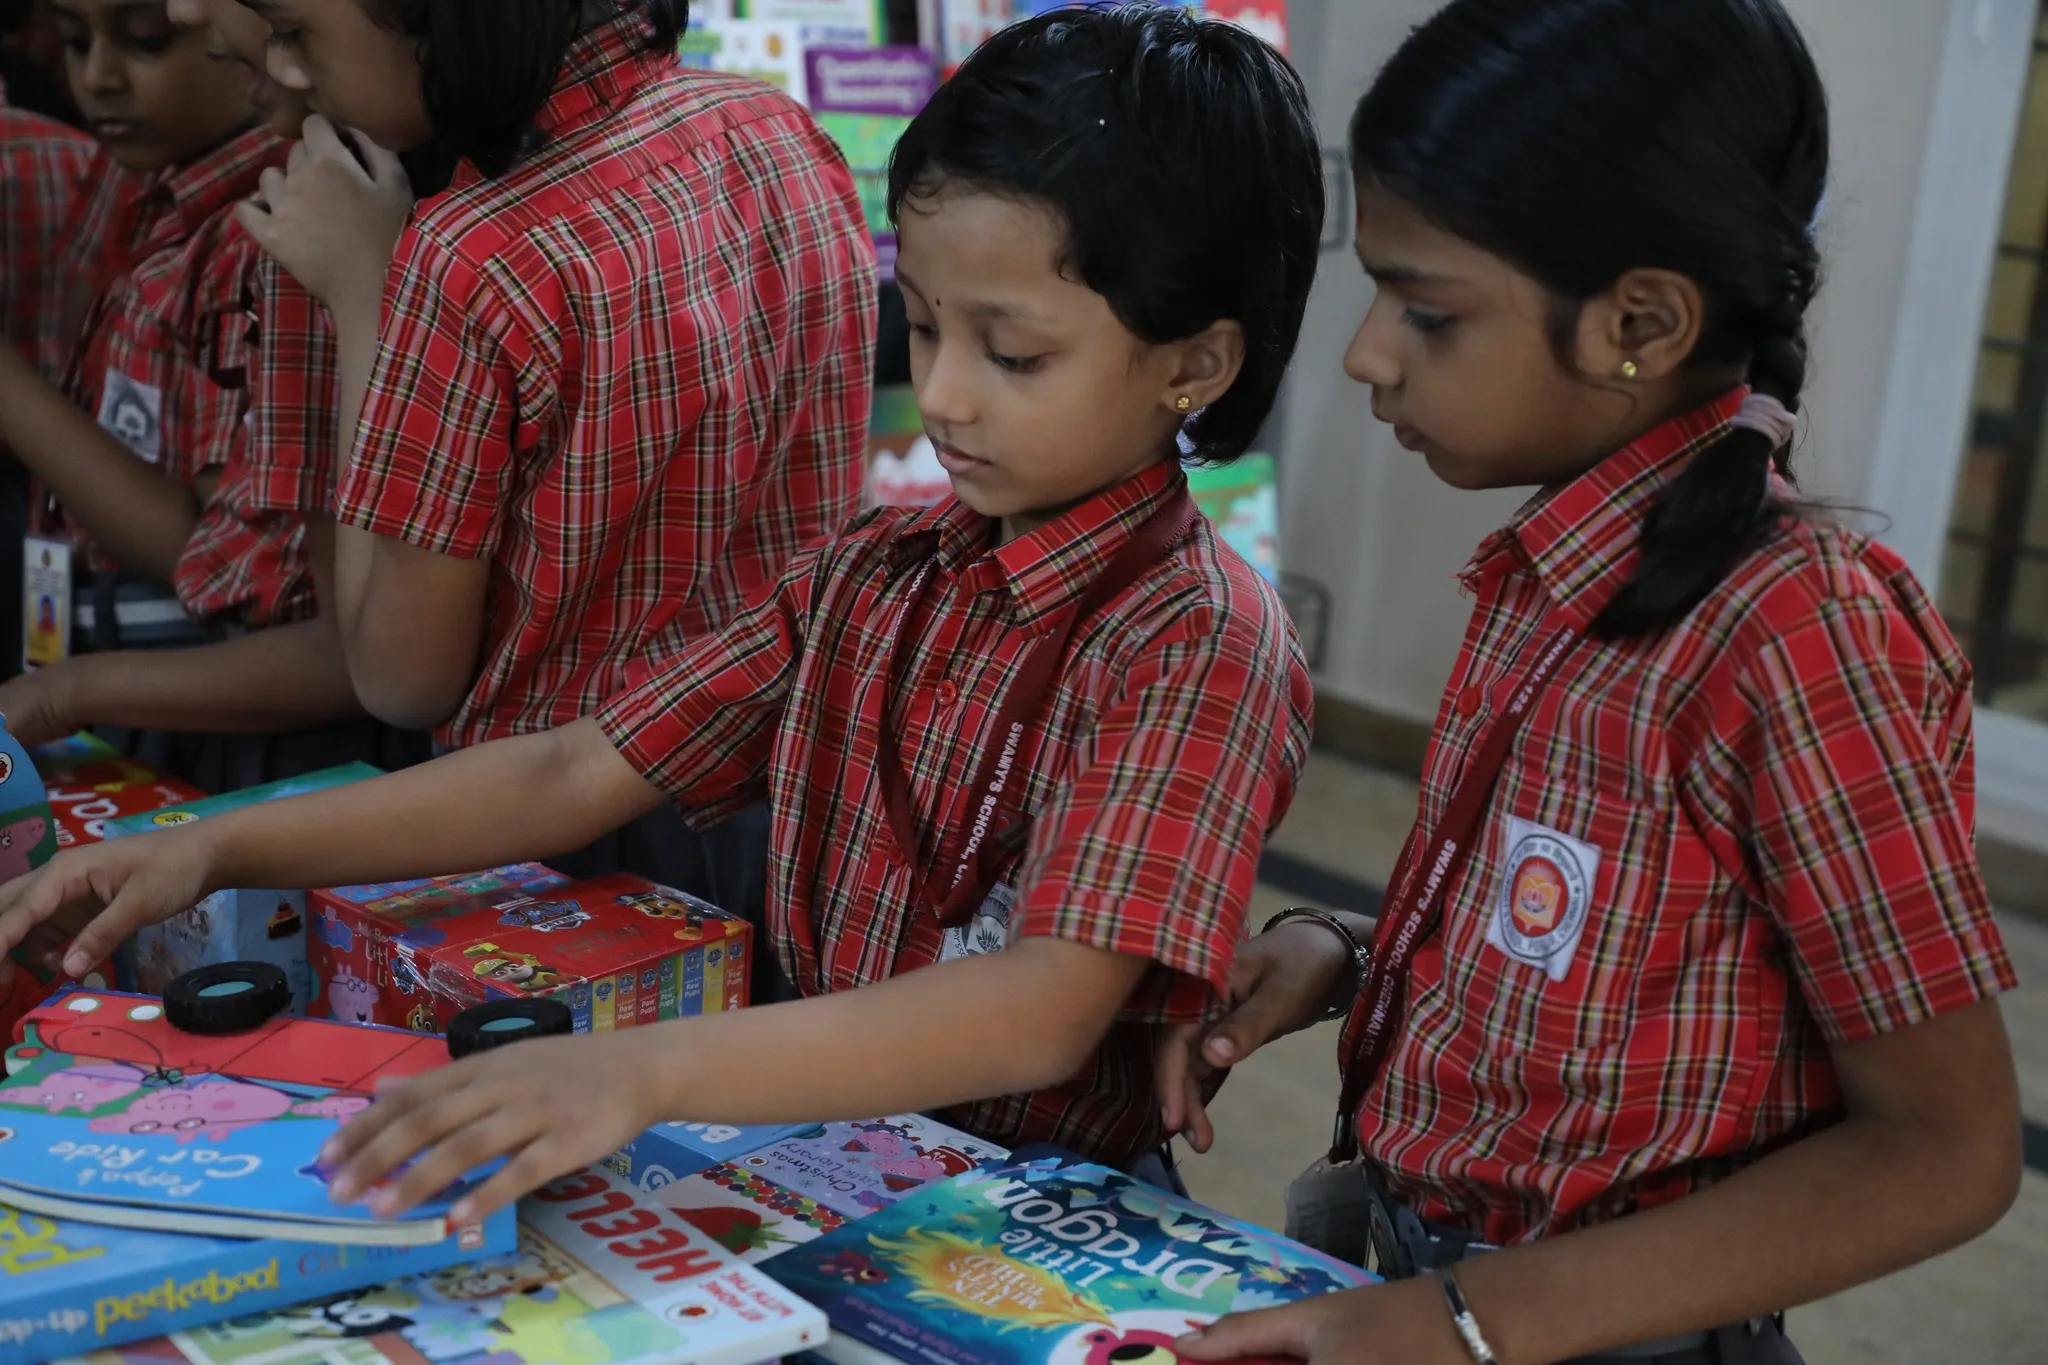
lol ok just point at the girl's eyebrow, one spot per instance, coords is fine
(1387, 273)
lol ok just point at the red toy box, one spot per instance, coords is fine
(620, 951)
(351, 928)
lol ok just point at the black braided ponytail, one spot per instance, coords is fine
(1582, 139)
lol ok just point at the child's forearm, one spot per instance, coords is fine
(289, 677)
(132, 512)
(534, 796)
(1877, 1192)
(1000, 1024)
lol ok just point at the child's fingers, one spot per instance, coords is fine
(1175, 1053)
(1269, 1332)
(323, 140)
(27, 901)
(540, 1161)
(129, 909)
(464, 1149)
(402, 1126)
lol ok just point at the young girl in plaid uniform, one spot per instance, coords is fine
(1022, 749)
(273, 698)
(1679, 1011)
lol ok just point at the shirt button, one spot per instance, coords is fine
(947, 694)
(1469, 701)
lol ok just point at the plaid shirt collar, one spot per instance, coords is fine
(174, 204)
(1581, 541)
(1052, 566)
(603, 69)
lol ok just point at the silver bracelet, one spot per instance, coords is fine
(1361, 955)
(1462, 1319)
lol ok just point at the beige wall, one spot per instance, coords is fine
(1367, 518)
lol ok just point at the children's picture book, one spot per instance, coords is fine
(619, 950)
(247, 925)
(599, 1277)
(670, 1151)
(75, 1288)
(86, 793)
(865, 98)
(763, 49)
(854, 23)
(857, 1168)
(745, 1212)
(113, 1116)
(1048, 1261)
(349, 931)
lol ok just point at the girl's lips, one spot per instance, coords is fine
(1409, 437)
(956, 461)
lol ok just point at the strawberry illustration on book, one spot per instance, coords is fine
(740, 1231)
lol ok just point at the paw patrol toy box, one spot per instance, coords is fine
(357, 978)
(619, 951)
(229, 926)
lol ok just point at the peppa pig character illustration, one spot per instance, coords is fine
(17, 842)
(1137, 1347)
(334, 933)
(215, 1109)
(902, 1165)
(339, 1105)
(84, 1087)
(351, 999)
(854, 1268)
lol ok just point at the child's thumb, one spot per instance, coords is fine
(1269, 1332)
(1255, 1022)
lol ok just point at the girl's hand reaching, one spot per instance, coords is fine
(333, 216)
(1403, 1323)
(1281, 983)
(101, 894)
(550, 1106)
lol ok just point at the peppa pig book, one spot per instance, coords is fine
(112, 1116)
(858, 1168)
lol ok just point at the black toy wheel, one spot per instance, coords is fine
(230, 997)
(483, 1027)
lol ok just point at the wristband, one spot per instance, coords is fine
(1361, 955)
(1462, 1319)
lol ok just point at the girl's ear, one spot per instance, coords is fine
(1648, 319)
(1204, 366)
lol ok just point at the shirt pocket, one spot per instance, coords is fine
(1566, 934)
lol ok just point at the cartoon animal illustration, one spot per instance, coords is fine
(853, 1267)
(215, 1109)
(349, 1316)
(17, 842)
(334, 933)
(530, 1274)
(422, 1020)
(516, 971)
(658, 904)
(351, 999)
(86, 1086)
(1137, 1347)
(902, 1164)
(284, 922)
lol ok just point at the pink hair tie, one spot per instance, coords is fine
(1763, 413)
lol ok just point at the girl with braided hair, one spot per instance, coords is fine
(1679, 1011)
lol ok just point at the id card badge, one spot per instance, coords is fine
(987, 932)
(45, 601)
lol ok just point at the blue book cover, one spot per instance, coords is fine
(187, 1149)
(669, 1151)
(69, 1288)
(1046, 1261)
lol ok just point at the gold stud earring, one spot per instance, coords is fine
(1184, 404)
(1628, 369)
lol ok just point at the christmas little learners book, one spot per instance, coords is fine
(1044, 1261)
(601, 1276)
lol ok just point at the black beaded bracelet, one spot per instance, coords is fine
(1361, 955)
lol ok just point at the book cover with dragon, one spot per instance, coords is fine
(1046, 1262)
(600, 1277)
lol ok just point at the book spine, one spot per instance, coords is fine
(243, 1279)
(650, 994)
(671, 968)
(576, 995)
(692, 1001)
(603, 1010)
(714, 977)
(626, 1000)
(739, 951)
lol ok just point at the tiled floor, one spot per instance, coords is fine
(1986, 1304)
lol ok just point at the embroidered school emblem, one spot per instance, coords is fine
(1544, 899)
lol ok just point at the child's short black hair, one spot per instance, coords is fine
(1182, 157)
(1582, 139)
(487, 66)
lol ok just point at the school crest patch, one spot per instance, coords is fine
(132, 412)
(1545, 898)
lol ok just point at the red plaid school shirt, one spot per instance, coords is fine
(1167, 751)
(632, 372)
(164, 365)
(42, 177)
(248, 556)
(1780, 794)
